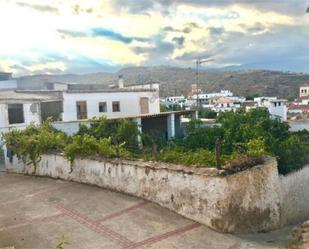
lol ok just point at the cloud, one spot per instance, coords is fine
(179, 40)
(109, 34)
(101, 32)
(42, 8)
(114, 35)
(72, 33)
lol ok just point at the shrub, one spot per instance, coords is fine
(207, 113)
(200, 157)
(292, 154)
(31, 143)
(120, 131)
(256, 147)
(84, 146)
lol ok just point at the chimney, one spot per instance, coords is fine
(120, 81)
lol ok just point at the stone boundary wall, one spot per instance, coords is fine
(248, 201)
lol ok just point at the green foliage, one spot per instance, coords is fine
(292, 154)
(31, 143)
(84, 146)
(256, 147)
(81, 145)
(259, 134)
(180, 155)
(245, 138)
(120, 131)
(207, 113)
(62, 242)
(252, 96)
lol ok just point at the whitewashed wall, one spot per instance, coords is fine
(280, 111)
(245, 202)
(295, 195)
(129, 103)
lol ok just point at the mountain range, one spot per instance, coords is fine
(177, 81)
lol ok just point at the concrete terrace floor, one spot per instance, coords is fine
(35, 212)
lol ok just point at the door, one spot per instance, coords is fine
(144, 103)
(81, 109)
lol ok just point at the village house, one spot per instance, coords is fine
(300, 107)
(276, 107)
(69, 105)
(19, 109)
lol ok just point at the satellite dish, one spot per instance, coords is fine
(34, 108)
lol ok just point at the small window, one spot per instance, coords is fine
(102, 107)
(16, 113)
(116, 106)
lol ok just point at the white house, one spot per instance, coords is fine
(20, 108)
(264, 101)
(112, 103)
(224, 104)
(175, 99)
(278, 108)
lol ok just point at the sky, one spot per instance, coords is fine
(86, 36)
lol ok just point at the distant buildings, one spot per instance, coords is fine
(276, 107)
(299, 109)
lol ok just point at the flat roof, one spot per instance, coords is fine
(113, 90)
(13, 95)
(159, 114)
(278, 100)
(148, 115)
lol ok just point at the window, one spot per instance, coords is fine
(116, 106)
(16, 113)
(144, 105)
(81, 109)
(102, 107)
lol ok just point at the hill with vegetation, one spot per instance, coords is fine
(177, 81)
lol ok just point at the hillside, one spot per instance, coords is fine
(176, 81)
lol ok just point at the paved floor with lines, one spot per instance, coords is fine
(36, 212)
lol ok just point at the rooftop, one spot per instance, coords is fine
(299, 107)
(14, 95)
(278, 100)
(113, 90)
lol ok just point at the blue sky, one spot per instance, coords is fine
(83, 36)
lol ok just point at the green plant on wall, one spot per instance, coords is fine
(29, 144)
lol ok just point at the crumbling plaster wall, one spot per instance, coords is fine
(245, 202)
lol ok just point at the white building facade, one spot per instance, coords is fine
(112, 103)
(278, 109)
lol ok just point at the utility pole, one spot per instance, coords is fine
(198, 63)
